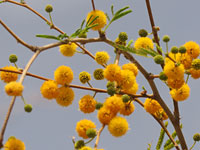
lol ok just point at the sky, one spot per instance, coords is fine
(50, 126)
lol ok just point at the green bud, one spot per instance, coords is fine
(82, 35)
(182, 50)
(13, 58)
(28, 108)
(48, 8)
(111, 90)
(196, 137)
(91, 133)
(158, 59)
(196, 64)
(110, 84)
(123, 36)
(11, 137)
(125, 98)
(79, 144)
(162, 76)
(166, 38)
(99, 105)
(142, 33)
(98, 74)
(174, 50)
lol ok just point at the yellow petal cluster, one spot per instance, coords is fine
(180, 94)
(112, 72)
(14, 88)
(102, 57)
(118, 126)
(87, 104)
(14, 144)
(143, 42)
(151, 106)
(49, 89)
(68, 49)
(101, 20)
(9, 76)
(132, 67)
(127, 109)
(192, 48)
(105, 115)
(65, 96)
(82, 126)
(63, 75)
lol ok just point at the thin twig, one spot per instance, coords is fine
(98, 136)
(93, 6)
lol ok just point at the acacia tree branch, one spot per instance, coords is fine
(32, 48)
(98, 136)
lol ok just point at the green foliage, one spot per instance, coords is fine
(161, 137)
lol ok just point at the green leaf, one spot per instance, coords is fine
(112, 9)
(89, 20)
(94, 25)
(122, 9)
(92, 20)
(82, 23)
(76, 33)
(149, 51)
(48, 36)
(129, 43)
(161, 137)
(62, 36)
(108, 17)
(116, 17)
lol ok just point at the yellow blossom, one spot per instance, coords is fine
(49, 89)
(68, 49)
(101, 20)
(173, 71)
(127, 109)
(151, 106)
(65, 96)
(143, 42)
(102, 57)
(180, 94)
(192, 48)
(112, 72)
(14, 144)
(105, 115)
(82, 126)
(195, 73)
(118, 126)
(14, 88)
(84, 77)
(87, 104)
(114, 103)
(175, 83)
(63, 75)
(9, 76)
(132, 67)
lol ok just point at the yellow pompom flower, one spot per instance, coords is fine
(65, 96)
(85, 148)
(173, 71)
(132, 90)
(143, 42)
(14, 88)
(84, 77)
(181, 94)
(192, 48)
(87, 104)
(112, 72)
(63, 75)
(14, 144)
(101, 20)
(9, 76)
(151, 106)
(114, 103)
(68, 49)
(132, 67)
(102, 57)
(127, 109)
(195, 73)
(175, 83)
(127, 79)
(49, 89)
(105, 115)
(118, 126)
(185, 59)
(82, 126)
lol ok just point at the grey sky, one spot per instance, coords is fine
(50, 126)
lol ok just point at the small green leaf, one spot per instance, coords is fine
(92, 20)
(48, 36)
(82, 24)
(94, 25)
(76, 33)
(121, 15)
(129, 43)
(122, 9)
(149, 51)
(89, 20)
(108, 17)
(112, 9)
(161, 137)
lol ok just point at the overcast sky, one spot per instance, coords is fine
(50, 126)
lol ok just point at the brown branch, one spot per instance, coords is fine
(93, 6)
(32, 48)
(98, 136)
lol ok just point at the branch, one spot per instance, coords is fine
(98, 136)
